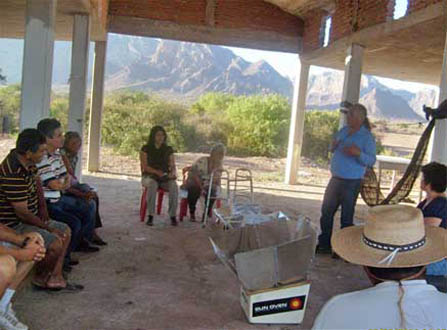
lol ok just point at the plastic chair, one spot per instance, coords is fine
(143, 202)
(184, 201)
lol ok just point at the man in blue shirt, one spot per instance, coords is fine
(354, 149)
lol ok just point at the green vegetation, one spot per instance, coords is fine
(10, 105)
(255, 125)
(319, 130)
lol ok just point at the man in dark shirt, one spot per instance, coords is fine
(20, 207)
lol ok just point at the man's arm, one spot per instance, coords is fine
(9, 235)
(24, 214)
(57, 184)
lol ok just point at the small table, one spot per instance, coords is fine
(391, 163)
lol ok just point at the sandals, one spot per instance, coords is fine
(70, 287)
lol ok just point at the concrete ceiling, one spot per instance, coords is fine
(409, 49)
(12, 22)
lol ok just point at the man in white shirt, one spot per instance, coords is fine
(394, 247)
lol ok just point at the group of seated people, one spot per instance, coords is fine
(46, 214)
(159, 171)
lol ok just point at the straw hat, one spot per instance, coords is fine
(393, 236)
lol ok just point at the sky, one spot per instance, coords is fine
(286, 63)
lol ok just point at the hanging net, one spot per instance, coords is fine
(370, 190)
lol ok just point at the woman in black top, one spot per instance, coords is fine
(158, 171)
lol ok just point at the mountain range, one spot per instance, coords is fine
(185, 71)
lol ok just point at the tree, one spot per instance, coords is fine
(2, 77)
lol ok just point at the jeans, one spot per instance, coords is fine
(78, 214)
(342, 192)
(84, 187)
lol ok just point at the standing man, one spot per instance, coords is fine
(354, 149)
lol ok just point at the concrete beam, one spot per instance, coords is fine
(240, 37)
(78, 77)
(94, 132)
(37, 62)
(297, 124)
(439, 143)
(376, 31)
(353, 77)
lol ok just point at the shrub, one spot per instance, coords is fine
(10, 105)
(129, 117)
(259, 125)
(319, 130)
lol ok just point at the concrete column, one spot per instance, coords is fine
(439, 146)
(37, 62)
(353, 76)
(78, 77)
(297, 124)
(97, 98)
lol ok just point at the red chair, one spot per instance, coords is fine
(143, 202)
(184, 201)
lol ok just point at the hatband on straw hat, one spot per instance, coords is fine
(393, 236)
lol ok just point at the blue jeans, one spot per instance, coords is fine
(78, 214)
(342, 192)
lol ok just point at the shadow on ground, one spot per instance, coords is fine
(168, 277)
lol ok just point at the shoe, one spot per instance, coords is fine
(12, 313)
(149, 221)
(192, 218)
(69, 288)
(73, 262)
(10, 322)
(72, 288)
(98, 240)
(87, 249)
(335, 255)
(323, 250)
(173, 221)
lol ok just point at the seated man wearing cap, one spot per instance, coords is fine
(394, 247)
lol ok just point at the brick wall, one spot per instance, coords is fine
(353, 15)
(313, 29)
(414, 5)
(350, 16)
(370, 13)
(342, 19)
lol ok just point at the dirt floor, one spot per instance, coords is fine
(168, 277)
